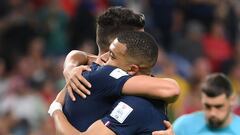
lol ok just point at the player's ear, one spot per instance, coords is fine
(133, 69)
(233, 99)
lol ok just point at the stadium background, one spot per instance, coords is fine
(196, 38)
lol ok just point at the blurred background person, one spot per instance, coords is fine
(196, 37)
(216, 116)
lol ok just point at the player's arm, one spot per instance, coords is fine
(159, 88)
(74, 59)
(97, 128)
(63, 127)
(73, 73)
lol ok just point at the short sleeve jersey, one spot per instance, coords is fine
(107, 83)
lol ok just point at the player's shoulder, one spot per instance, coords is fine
(111, 71)
(94, 66)
(234, 125)
(189, 124)
(107, 79)
(190, 118)
(236, 119)
(115, 72)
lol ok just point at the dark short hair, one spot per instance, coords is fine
(113, 21)
(217, 84)
(141, 47)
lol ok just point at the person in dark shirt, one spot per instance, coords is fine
(131, 51)
(109, 24)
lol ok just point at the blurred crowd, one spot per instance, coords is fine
(196, 38)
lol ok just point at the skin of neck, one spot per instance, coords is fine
(144, 72)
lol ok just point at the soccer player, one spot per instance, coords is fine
(112, 22)
(216, 118)
(131, 50)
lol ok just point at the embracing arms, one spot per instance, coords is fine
(63, 127)
(165, 89)
(73, 73)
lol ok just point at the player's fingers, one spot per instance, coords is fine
(83, 89)
(74, 81)
(74, 87)
(80, 88)
(86, 68)
(84, 81)
(167, 124)
(70, 92)
(80, 93)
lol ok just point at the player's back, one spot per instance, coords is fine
(107, 82)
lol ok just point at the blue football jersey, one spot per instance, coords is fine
(107, 83)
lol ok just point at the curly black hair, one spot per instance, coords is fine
(115, 20)
(141, 47)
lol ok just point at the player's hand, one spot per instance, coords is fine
(169, 130)
(76, 82)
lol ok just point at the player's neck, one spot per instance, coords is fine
(228, 120)
(144, 72)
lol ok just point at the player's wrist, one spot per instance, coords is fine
(57, 113)
(55, 106)
(66, 73)
(68, 67)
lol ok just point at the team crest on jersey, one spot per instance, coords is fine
(117, 73)
(121, 112)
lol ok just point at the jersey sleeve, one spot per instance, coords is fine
(109, 80)
(133, 116)
(120, 77)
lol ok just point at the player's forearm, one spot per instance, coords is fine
(74, 59)
(165, 89)
(172, 91)
(157, 88)
(63, 127)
